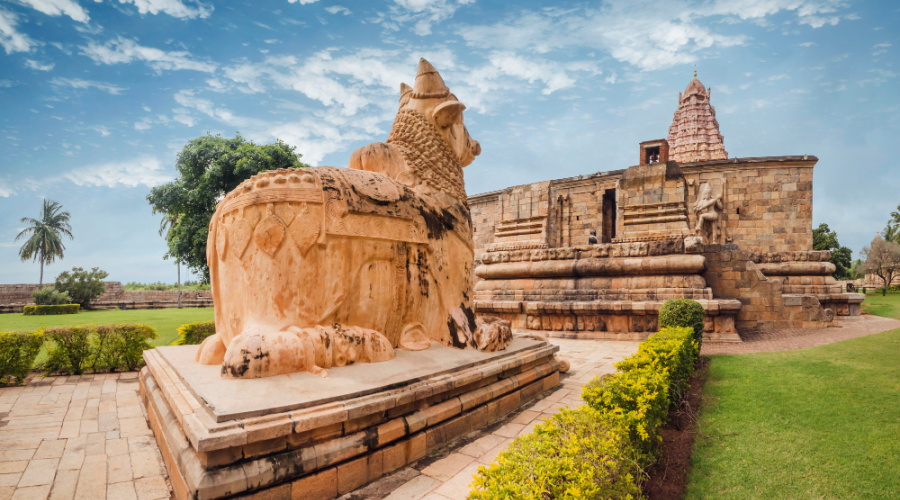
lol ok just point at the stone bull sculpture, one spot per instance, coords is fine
(319, 267)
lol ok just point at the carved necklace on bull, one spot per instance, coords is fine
(426, 153)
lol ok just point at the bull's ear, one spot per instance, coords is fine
(448, 113)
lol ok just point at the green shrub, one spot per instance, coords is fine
(575, 454)
(50, 310)
(194, 333)
(599, 450)
(17, 353)
(683, 312)
(71, 350)
(97, 348)
(129, 341)
(83, 286)
(49, 296)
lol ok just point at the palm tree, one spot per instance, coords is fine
(45, 243)
(892, 232)
(169, 221)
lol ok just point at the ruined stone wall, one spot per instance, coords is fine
(768, 201)
(114, 293)
(20, 293)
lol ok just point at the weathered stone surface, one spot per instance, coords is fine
(320, 267)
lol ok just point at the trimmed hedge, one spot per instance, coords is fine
(599, 450)
(17, 353)
(683, 312)
(50, 310)
(75, 349)
(194, 333)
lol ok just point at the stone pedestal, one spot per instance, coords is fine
(303, 436)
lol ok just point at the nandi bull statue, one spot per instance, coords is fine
(319, 267)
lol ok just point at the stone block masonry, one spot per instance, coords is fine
(14, 297)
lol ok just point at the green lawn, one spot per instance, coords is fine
(887, 306)
(166, 321)
(817, 423)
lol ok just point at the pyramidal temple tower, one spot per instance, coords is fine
(694, 134)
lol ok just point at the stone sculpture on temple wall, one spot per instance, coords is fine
(694, 133)
(320, 267)
(708, 208)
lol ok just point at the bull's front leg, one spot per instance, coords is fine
(263, 352)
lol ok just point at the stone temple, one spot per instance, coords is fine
(596, 256)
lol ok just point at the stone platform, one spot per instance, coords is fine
(281, 435)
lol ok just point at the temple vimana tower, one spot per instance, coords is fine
(597, 255)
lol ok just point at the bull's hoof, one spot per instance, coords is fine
(414, 338)
(492, 334)
(212, 350)
(263, 354)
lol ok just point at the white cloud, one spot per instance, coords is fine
(76, 83)
(11, 40)
(102, 130)
(59, 7)
(122, 50)
(338, 9)
(38, 65)
(648, 35)
(5, 190)
(174, 8)
(421, 14)
(303, 2)
(807, 44)
(146, 170)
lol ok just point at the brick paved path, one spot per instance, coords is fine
(447, 473)
(87, 437)
(78, 437)
(792, 340)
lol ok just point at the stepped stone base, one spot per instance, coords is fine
(303, 436)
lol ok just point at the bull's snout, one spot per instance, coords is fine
(475, 147)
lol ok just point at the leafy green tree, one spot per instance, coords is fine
(209, 167)
(45, 243)
(858, 269)
(826, 239)
(891, 231)
(882, 259)
(83, 286)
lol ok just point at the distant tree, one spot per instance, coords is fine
(165, 225)
(83, 286)
(826, 239)
(857, 269)
(891, 232)
(45, 243)
(209, 167)
(882, 259)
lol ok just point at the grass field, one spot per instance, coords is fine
(816, 423)
(166, 321)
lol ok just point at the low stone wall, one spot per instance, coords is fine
(15, 296)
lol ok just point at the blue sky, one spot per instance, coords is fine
(99, 96)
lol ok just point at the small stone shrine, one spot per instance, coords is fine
(346, 342)
(735, 234)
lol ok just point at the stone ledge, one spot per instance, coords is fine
(382, 436)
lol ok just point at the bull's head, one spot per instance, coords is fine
(433, 99)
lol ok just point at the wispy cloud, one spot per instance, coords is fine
(174, 8)
(647, 35)
(10, 38)
(338, 9)
(58, 8)
(145, 170)
(123, 50)
(420, 14)
(76, 83)
(31, 63)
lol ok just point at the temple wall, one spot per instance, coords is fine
(768, 206)
(768, 201)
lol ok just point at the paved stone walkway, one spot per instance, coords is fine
(87, 437)
(792, 340)
(447, 473)
(78, 437)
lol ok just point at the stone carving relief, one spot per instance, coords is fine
(708, 209)
(322, 267)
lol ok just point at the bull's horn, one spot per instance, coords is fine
(404, 88)
(429, 83)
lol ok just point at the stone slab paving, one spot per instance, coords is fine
(447, 473)
(87, 437)
(82, 437)
(793, 339)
